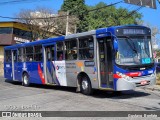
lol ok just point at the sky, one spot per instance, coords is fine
(151, 16)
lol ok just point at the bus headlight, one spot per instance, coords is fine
(123, 75)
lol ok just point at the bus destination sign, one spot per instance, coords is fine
(133, 31)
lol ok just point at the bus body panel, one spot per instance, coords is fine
(31, 68)
(65, 72)
(8, 70)
(123, 84)
(34, 72)
(18, 68)
(133, 79)
(60, 71)
(74, 68)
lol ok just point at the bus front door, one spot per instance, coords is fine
(105, 63)
(49, 68)
(14, 65)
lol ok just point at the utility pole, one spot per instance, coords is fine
(67, 22)
(75, 31)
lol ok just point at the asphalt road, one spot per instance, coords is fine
(14, 96)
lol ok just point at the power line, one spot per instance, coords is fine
(134, 11)
(128, 8)
(19, 1)
(105, 6)
(129, 15)
(62, 15)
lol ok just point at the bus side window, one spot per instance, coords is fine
(15, 56)
(21, 55)
(50, 53)
(8, 56)
(86, 48)
(71, 49)
(60, 49)
(29, 53)
(38, 53)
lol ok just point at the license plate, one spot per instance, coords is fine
(143, 82)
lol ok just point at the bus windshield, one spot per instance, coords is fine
(134, 51)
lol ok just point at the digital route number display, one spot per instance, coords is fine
(133, 31)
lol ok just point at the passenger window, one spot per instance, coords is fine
(38, 53)
(60, 49)
(71, 49)
(21, 55)
(29, 54)
(15, 55)
(86, 48)
(8, 57)
(50, 53)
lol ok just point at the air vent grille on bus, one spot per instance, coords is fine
(139, 68)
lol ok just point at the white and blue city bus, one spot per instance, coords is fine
(114, 58)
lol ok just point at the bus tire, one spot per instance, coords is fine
(25, 80)
(85, 86)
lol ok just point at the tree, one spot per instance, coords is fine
(40, 21)
(154, 32)
(78, 9)
(61, 23)
(111, 16)
(44, 22)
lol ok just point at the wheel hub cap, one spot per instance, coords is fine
(84, 84)
(25, 79)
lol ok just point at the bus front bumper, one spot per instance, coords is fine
(132, 83)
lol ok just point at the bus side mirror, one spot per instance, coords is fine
(115, 44)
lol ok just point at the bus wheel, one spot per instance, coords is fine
(25, 80)
(86, 87)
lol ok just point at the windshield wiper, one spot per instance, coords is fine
(132, 47)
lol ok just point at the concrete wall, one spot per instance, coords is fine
(1, 60)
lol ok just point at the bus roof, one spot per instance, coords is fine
(62, 38)
(125, 26)
(100, 31)
(49, 40)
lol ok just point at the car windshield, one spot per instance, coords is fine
(134, 51)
